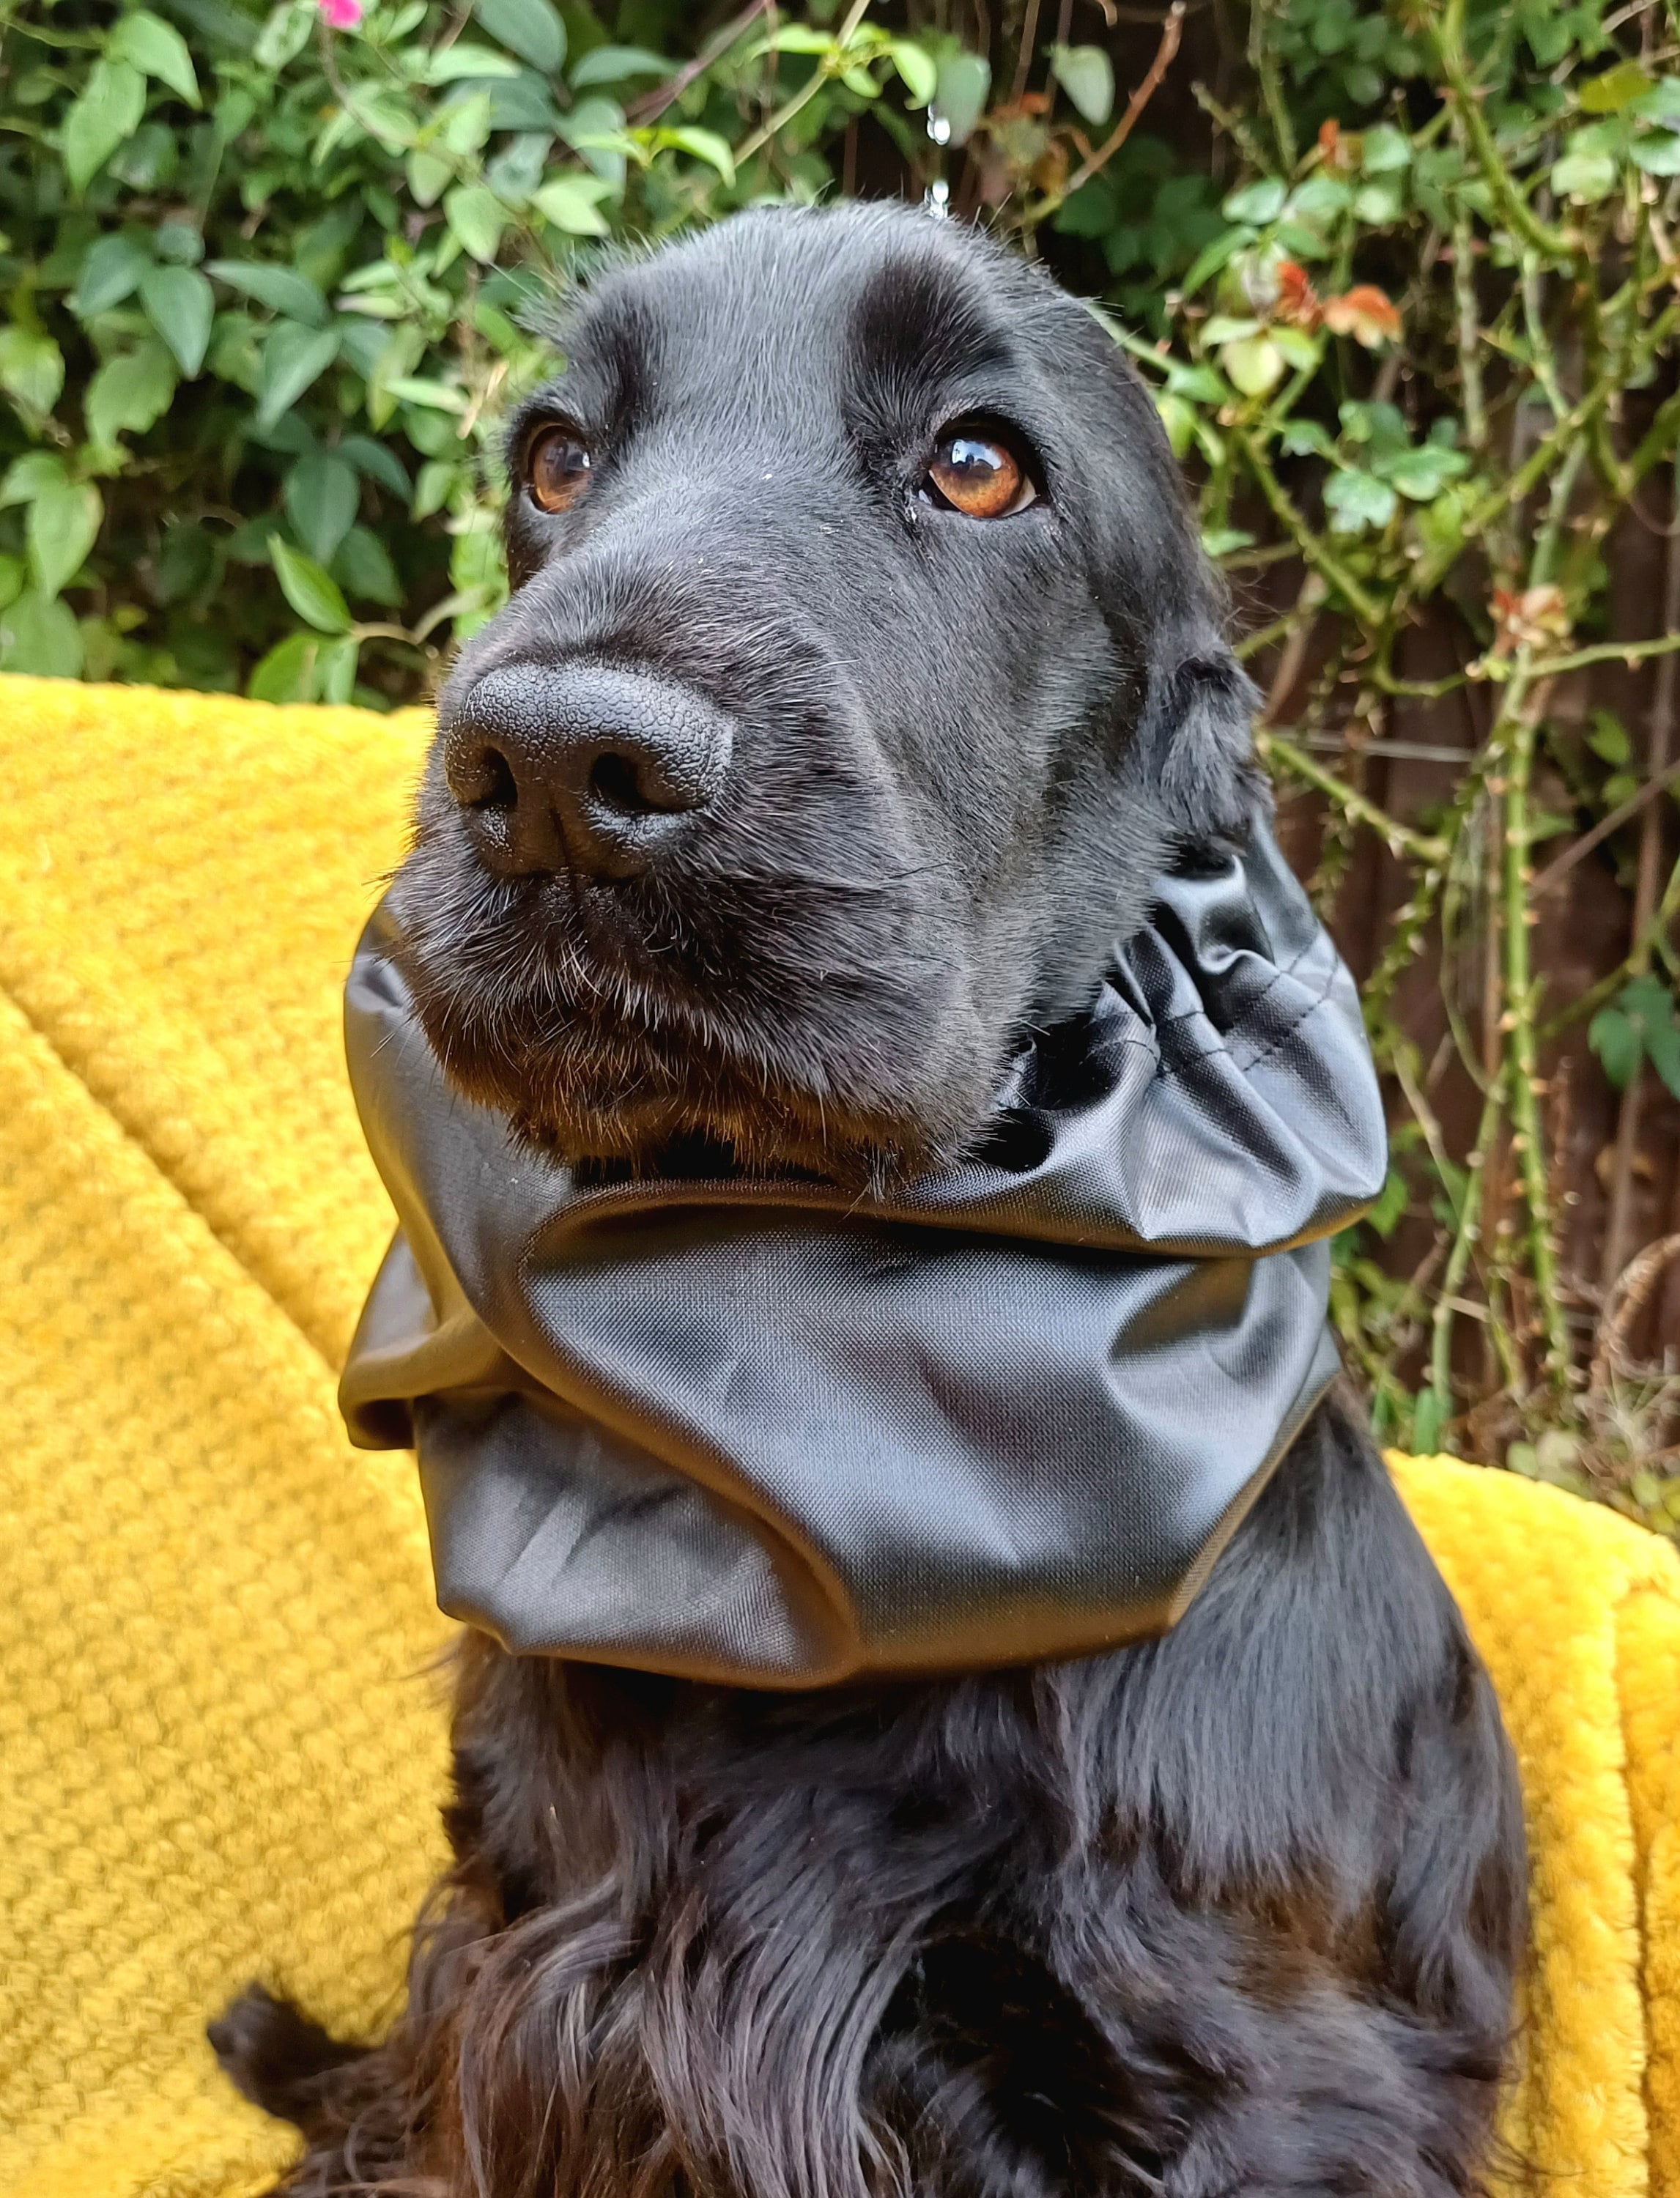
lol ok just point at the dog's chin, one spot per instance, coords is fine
(618, 1102)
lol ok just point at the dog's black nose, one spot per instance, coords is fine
(582, 766)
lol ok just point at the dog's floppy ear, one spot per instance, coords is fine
(1192, 752)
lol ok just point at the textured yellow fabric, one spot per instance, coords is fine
(221, 1734)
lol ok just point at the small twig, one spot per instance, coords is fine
(652, 104)
(1559, 868)
(1315, 552)
(824, 73)
(1352, 803)
(1173, 29)
(1029, 31)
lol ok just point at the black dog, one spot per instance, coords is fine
(861, 671)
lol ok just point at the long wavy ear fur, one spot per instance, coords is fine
(1192, 753)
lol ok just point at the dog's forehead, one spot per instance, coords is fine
(794, 312)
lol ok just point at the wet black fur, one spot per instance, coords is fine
(1234, 1912)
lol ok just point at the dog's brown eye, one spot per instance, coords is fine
(556, 469)
(974, 473)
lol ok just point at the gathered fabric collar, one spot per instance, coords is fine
(773, 1435)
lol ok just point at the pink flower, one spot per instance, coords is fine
(342, 14)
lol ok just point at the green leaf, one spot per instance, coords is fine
(32, 368)
(281, 289)
(1384, 1216)
(1319, 201)
(157, 49)
(961, 86)
(1378, 206)
(1254, 364)
(1659, 154)
(1662, 1044)
(378, 462)
(335, 669)
(1616, 89)
(1199, 383)
(618, 65)
(429, 178)
(1661, 102)
(530, 28)
(573, 203)
(796, 38)
(1221, 541)
(1620, 1043)
(110, 273)
(30, 476)
(63, 526)
(1303, 439)
(320, 494)
(1300, 350)
(107, 111)
(1383, 149)
(1178, 419)
(39, 636)
(293, 359)
(1256, 203)
(1584, 178)
(477, 217)
(430, 396)
(181, 306)
(1356, 500)
(705, 145)
(1226, 327)
(595, 129)
(288, 31)
(313, 594)
(517, 170)
(287, 673)
(178, 243)
(362, 567)
(1420, 474)
(449, 64)
(1609, 739)
(129, 394)
(917, 70)
(1086, 74)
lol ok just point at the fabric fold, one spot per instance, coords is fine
(769, 1433)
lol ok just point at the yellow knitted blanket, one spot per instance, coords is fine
(221, 1746)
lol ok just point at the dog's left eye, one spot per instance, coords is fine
(556, 469)
(973, 471)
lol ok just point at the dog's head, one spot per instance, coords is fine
(862, 670)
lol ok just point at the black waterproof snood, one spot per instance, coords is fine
(771, 1435)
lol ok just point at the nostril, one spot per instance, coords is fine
(481, 777)
(614, 782)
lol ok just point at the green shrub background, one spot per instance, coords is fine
(1402, 280)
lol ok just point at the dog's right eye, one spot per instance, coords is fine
(556, 469)
(975, 471)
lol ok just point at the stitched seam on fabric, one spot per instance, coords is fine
(1281, 970)
(1265, 1052)
(138, 1144)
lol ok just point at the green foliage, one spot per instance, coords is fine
(268, 279)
